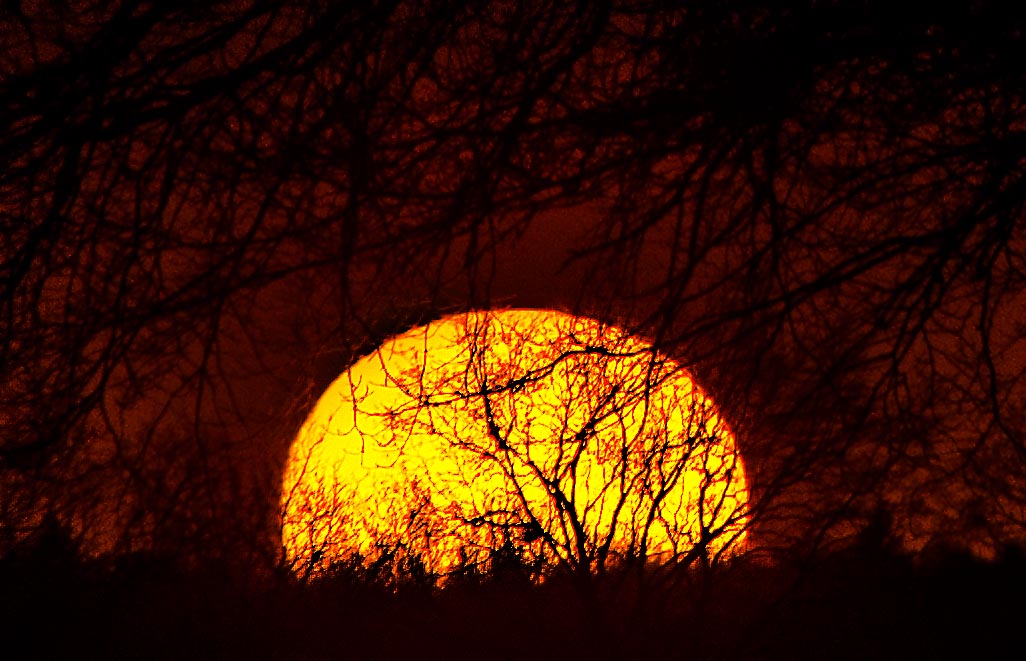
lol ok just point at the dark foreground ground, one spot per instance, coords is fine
(850, 606)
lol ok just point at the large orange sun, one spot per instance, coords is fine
(561, 439)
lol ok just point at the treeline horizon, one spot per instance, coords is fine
(866, 602)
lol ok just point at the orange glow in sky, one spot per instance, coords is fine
(554, 435)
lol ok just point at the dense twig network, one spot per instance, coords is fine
(814, 207)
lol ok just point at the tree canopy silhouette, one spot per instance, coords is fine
(816, 206)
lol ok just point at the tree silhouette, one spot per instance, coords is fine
(816, 208)
(555, 440)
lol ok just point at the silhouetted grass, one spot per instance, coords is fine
(851, 605)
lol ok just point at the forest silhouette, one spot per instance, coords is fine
(208, 211)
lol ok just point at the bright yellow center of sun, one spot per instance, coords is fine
(557, 438)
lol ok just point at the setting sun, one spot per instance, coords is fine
(560, 438)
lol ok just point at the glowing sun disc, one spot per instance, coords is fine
(564, 439)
